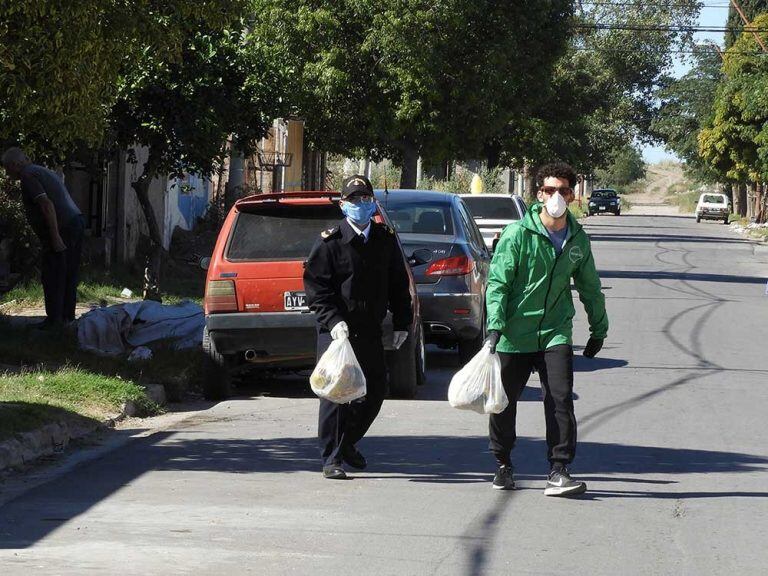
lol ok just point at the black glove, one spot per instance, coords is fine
(492, 339)
(593, 346)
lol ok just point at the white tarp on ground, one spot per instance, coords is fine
(120, 328)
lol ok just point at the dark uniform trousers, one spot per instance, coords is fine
(555, 368)
(342, 425)
(60, 273)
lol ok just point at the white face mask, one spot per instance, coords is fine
(556, 205)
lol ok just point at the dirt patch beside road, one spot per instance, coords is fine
(652, 199)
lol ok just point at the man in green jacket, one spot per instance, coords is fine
(530, 312)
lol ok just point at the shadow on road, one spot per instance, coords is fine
(430, 459)
(684, 276)
(598, 237)
(582, 364)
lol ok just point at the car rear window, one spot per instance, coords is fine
(421, 218)
(714, 199)
(279, 232)
(492, 208)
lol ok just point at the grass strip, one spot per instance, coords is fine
(176, 370)
(30, 399)
(99, 287)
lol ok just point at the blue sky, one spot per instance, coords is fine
(714, 13)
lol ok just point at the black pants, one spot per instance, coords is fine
(555, 368)
(343, 425)
(60, 274)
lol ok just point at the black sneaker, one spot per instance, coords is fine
(352, 457)
(560, 483)
(504, 478)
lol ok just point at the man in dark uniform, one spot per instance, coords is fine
(58, 223)
(354, 273)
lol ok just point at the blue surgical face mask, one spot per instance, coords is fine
(359, 213)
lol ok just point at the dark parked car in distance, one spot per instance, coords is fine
(604, 200)
(449, 261)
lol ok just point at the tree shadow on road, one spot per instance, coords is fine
(428, 459)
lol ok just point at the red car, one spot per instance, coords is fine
(255, 307)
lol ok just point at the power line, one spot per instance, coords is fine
(676, 51)
(670, 28)
(640, 4)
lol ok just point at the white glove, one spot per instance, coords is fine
(398, 338)
(341, 330)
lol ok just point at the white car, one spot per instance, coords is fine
(713, 206)
(492, 212)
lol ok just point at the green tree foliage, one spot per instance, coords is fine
(408, 77)
(734, 140)
(600, 97)
(60, 61)
(626, 166)
(686, 106)
(751, 9)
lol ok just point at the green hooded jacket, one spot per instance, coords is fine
(529, 287)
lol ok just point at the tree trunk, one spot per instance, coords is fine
(410, 161)
(493, 155)
(752, 201)
(530, 184)
(760, 204)
(153, 269)
(234, 188)
(740, 199)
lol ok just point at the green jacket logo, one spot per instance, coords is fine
(575, 254)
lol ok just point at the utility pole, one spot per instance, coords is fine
(748, 25)
(717, 49)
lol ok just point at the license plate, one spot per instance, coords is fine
(602, 207)
(295, 301)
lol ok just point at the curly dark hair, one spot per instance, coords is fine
(557, 170)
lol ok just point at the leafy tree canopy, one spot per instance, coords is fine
(686, 105)
(734, 24)
(402, 77)
(60, 61)
(627, 166)
(735, 139)
(601, 95)
(184, 110)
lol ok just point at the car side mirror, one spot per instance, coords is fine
(205, 262)
(420, 256)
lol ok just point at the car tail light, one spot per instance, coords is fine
(220, 296)
(456, 266)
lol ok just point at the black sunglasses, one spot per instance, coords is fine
(564, 190)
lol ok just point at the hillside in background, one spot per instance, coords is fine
(664, 190)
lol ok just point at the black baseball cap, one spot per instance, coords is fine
(356, 184)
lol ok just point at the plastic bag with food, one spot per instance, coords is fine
(338, 376)
(477, 386)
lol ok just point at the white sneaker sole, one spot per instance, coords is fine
(512, 487)
(565, 491)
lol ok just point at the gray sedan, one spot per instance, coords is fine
(450, 264)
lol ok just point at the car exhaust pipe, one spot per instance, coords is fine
(250, 355)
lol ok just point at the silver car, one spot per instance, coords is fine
(492, 213)
(450, 263)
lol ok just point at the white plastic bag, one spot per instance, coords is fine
(338, 376)
(478, 385)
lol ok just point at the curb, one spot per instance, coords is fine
(27, 447)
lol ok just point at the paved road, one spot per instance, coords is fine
(672, 444)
